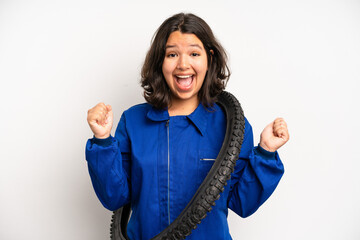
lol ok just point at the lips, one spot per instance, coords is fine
(184, 82)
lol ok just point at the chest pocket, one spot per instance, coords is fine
(207, 158)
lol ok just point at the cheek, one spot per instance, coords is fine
(167, 73)
(167, 68)
(164, 68)
(201, 67)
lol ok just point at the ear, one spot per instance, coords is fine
(211, 54)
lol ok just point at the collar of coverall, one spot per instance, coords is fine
(198, 117)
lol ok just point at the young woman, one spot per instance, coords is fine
(163, 149)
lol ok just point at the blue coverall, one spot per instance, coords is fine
(157, 162)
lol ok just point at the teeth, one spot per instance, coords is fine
(187, 76)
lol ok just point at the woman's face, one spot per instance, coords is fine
(184, 66)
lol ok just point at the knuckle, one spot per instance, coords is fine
(100, 105)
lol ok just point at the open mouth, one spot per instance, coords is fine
(184, 82)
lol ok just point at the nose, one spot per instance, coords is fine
(183, 63)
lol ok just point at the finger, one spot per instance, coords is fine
(276, 130)
(279, 121)
(104, 118)
(279, 127)
(286, 135)
(282, 133)
(111, 117)
(108, 108)
(103, 110)
(100, 115)
(99, 107)
(94, 116)
(106, 121)
(99, 118)
(101, 104)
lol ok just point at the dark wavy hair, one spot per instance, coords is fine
(156, 90)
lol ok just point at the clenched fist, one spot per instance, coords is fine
(274, 135)
(100, 119)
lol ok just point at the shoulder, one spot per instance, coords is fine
(219, 112)
(134, 116)
(137, 110)
(218, 116)
(139, 107)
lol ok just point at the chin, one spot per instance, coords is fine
(186, 95)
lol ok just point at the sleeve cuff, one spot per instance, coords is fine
(102, 142)
(265, 153)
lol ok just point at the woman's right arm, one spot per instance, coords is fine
(108, 158)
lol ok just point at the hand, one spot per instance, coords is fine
(100, 120)
(274, 135)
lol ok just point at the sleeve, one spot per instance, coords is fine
(256, 175)
(109, 167)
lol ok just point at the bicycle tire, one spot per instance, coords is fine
(211, 187)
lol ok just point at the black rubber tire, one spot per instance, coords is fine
(119, 221)
(209, 190)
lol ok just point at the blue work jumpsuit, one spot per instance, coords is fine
(157, 162)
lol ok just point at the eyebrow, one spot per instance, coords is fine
(191, 45)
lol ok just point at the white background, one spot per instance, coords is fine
(295, 59)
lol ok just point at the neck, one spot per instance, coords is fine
(183, 107)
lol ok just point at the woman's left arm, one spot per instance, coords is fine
(258, 170)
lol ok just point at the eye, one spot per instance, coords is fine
(195, 54)
(171, 55)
